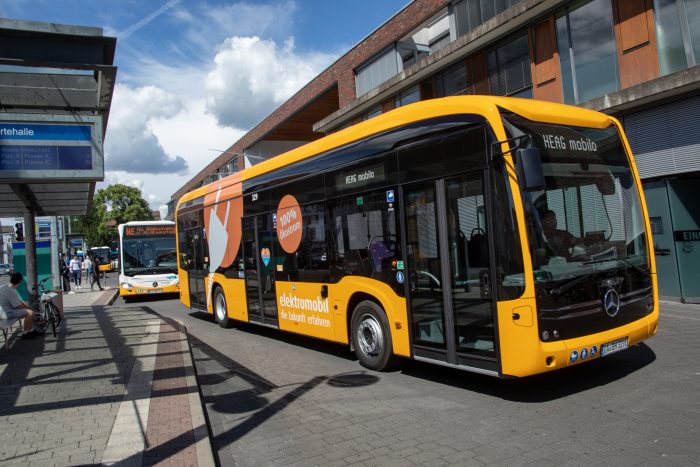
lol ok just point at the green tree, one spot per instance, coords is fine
(111, 206)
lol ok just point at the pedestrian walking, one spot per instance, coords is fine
(63, 264)
(95, 276)
(75, 269)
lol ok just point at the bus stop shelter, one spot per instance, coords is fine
(56, 87)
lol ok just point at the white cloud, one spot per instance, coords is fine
(193, 133)
(251, 77)
(131, 146)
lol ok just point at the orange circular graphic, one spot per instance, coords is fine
(289, 224)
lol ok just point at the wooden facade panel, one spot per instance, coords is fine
(545, 69)
(478, 73)
(636, 41)
(633, 24)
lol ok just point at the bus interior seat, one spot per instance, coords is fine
(478, 249)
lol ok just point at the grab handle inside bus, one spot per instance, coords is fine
(529, 166)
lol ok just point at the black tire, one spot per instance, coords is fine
(40, 323)
(52, 320)
(220, 308)
(371, 336)
(56, 313)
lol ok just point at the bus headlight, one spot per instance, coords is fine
(549, 335)
(126, 285)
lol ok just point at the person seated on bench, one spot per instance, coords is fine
(15, 308)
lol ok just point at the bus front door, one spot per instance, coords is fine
(196, 268)
(449, 270)
(259, 248)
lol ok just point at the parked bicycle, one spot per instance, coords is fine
(48, 314)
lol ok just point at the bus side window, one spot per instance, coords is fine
(309, 263)
(365, 232)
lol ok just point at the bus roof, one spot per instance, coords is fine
(486, 106)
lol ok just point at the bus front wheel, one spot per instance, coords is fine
(371, 337)
(220, 308)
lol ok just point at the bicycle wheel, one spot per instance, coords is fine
(56, 313)
(40, 322)
(50, 317)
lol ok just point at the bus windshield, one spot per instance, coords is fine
(149, 255)
(586, 231)
(101, 254)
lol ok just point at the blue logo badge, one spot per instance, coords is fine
(390, 196)
(265, 254)
(573, 357)
(241, 275)
(399, 277)
(594, 351)
(584, 354)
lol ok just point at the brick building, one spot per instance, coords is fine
(634, 59)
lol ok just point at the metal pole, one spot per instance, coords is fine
(30, 252)
(55, 273)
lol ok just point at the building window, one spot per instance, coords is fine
(407, 97)
(373, 112)
(469, 14)
(452, 81)
(509, 68)
(373, 74)
(677, 34)
(586, 44)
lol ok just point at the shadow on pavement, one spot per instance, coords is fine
(253, 401)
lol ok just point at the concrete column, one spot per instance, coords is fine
(30, 252)
(55, 272)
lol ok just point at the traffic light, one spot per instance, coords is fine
(19, 232)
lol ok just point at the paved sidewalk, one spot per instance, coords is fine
(115, 387)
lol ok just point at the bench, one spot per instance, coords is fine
(6, 326)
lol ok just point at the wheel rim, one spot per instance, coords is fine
(370, 336)
(220, 306)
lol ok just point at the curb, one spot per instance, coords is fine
(200, 425)
(107, 298)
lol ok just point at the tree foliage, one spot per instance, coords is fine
(111, 206)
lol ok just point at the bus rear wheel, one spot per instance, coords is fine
(371, 337)
(220, 308)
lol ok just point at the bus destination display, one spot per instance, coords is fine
(149, 230)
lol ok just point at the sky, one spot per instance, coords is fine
(195, 75)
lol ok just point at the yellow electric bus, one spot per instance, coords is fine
(498, 235)
(147, 259)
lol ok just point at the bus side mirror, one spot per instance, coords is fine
(529, 167)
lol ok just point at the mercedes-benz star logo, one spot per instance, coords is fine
(155, 284)
(611, 302)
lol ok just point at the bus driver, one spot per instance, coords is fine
(559, 242)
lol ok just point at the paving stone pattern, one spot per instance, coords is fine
(59, 396)
(278, 399)
(169, 435)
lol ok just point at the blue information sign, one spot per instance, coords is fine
(41, 132)
(45, 147)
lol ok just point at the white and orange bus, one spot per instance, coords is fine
(503, 236)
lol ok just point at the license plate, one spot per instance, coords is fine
(612, 347)
(155, 291)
